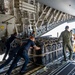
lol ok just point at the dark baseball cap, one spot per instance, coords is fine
(66, 27)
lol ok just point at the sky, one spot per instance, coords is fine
(53, 32)
(59, 29)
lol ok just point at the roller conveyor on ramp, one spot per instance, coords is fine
(66, 68)
(31, 67)
(57, 67)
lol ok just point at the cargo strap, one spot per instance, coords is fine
(35, 55)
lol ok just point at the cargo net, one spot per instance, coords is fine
(50, 51)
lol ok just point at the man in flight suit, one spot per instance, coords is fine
(66, 39)
(71, 37)
(23, 53)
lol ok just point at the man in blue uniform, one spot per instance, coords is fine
(9, 40)
(12, 53)
(23, 52)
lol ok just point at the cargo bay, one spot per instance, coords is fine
(41, 16)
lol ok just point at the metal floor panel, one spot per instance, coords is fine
(55, 68)
(68, 69)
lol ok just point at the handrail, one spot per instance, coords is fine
(26, 6)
